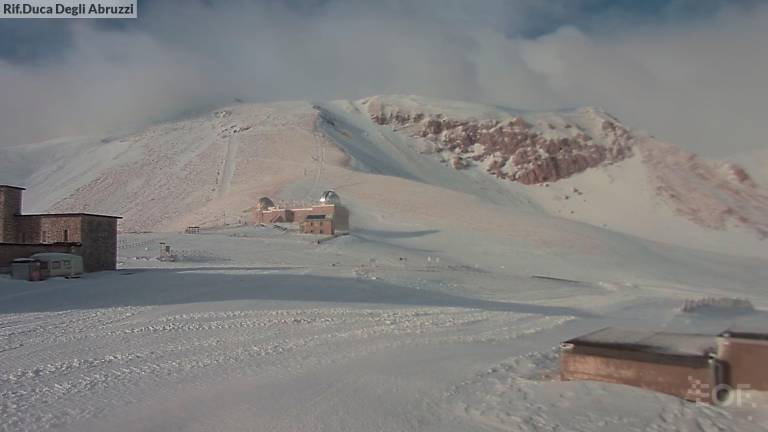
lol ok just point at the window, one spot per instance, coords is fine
(55, 265)
(66, 235)
(67, 264)
(45, 237)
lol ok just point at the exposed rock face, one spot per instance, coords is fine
(711, 194)
(513, 149)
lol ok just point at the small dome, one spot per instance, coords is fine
(330, 197)
(265, 203)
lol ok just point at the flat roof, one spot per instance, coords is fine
(67, 214)
(745, 334)
(12, 187)
(53, 255)
(680, 344)
(41, 244)
(278, 208)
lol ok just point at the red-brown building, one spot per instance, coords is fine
(92, 236)
(746, 354)
(317, 224)
(690, 366)
(682, 365)
(335, 214)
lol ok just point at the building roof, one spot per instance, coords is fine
(745, 334)
(315, 217)
(678, 344)
(265, 203)
(41, 244)
(67, 214)
(52, 256)
(11, 187)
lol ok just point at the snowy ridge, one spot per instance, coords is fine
(580, 164)
(530, 149)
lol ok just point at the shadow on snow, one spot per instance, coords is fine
(194, 285)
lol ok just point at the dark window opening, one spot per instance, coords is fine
(66, 235)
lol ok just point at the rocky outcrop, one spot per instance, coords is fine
(716, 195)
(513, 148)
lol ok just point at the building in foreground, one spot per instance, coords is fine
(326, 217)
(690, 366)
(92, 236)
(745, 351)
(664, 362)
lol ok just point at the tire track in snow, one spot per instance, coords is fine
(117, 356)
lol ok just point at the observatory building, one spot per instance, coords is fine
(328, 216)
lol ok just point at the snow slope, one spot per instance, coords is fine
(256, 328)
(670, 188)
(211, 169)
(441, 311)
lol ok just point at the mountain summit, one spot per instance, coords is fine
(401, 154)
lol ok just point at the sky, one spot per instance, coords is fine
(691, 72)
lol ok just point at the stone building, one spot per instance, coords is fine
(92, 236)
(690, 366)
(745, 351)
(10, 206)
(329, 207)
(664, 362)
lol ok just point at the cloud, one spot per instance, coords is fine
(699, 86)
(697, 83)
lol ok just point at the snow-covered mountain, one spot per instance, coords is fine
(490, 167)
(482, 237)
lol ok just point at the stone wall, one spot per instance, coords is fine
(99, 239)
(746, 359)
(341, 219)
(628, 368)
(10, 205)
(49, 228)
(321, 226)
(273, 216)
(299, 215)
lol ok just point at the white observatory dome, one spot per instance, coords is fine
(330, 197)
(265, 203)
